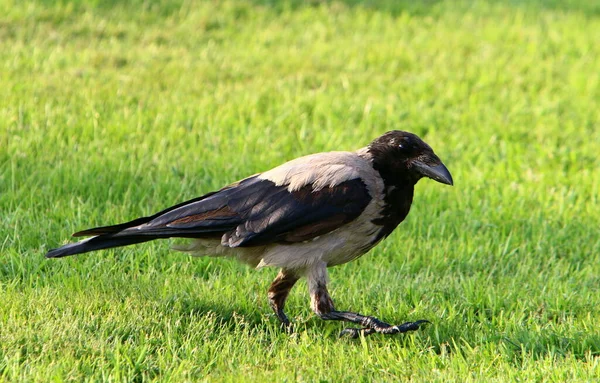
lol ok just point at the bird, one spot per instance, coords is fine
(302, 217)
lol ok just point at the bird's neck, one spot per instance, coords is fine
(399, 186)
(397, 200)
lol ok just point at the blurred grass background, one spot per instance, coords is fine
(114, 109)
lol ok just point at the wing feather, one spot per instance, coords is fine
(260, 210)
(300, 215)
(277, 215)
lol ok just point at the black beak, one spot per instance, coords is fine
(437, 173)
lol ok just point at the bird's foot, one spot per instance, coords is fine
(383, 328)
(284, 323)
(287, 328)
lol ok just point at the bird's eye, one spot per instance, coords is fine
(404, 144)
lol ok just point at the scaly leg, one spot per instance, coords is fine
(322, 305)
(279, 291)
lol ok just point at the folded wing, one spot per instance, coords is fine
(257, 212)
(251, 212)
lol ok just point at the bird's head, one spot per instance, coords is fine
(402, 156)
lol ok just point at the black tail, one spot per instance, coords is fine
(95, 243)
(128, 233)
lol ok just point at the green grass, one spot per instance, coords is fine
(110, 110)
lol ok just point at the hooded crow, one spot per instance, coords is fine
(304, 216)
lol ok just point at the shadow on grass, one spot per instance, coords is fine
(393, 7)
(515, 346)
(167, 8)
(538, 345)
(229, 316)
(428, 7)
(458, 338)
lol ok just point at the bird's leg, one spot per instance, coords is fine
(322, 305)
(279, 291)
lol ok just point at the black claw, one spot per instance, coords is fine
(354, 333)
(421, 322)
(286, 327)
(390, 330)
(412, 326)
(351, 332)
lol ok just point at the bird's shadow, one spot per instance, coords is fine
(226, 316)
(394, 8)
(516, 346)
(440, 337)
(424, 7)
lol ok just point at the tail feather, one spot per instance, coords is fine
(95, 243)
(124, 234)
(113, 229)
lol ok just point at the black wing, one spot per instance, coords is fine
(257, 212)
(252, 212)
(284, 216)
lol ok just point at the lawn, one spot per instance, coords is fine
(114, 109)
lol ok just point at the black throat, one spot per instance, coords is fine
(397, 201)
(398, 193)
